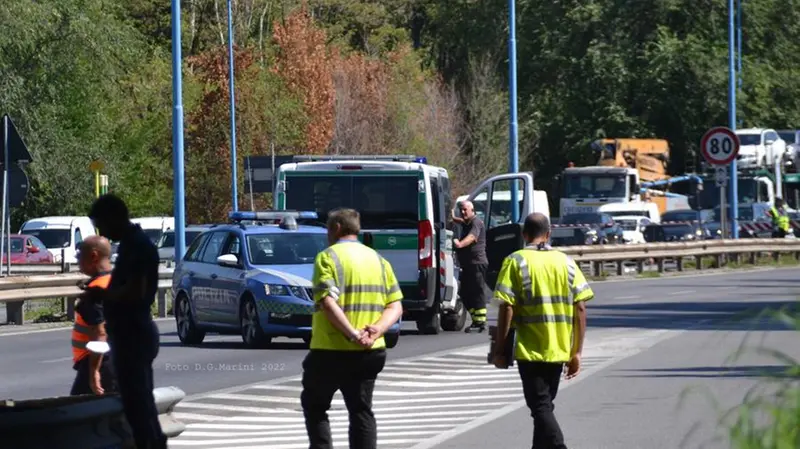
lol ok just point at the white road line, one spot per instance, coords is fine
(628, 297)
(682, 292)
(277, 437)
(66, 327)
(238, 442)
(239, 420)
(193, 429)
(342, 411)
(62, 359)
(269, 414)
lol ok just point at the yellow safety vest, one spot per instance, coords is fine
(362, 283)
(780, 219)
(542, 286)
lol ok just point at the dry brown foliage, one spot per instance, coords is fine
(304, 63)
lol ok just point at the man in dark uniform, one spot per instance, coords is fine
(133, 335)
(471, 252)
(93, 374)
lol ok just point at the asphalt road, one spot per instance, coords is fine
(653, 338)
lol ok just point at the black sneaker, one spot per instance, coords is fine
(479, 327)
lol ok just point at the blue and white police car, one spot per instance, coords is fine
(251, 277)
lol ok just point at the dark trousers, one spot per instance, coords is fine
(133, 363)
(352, 372)
(473, 290)
(82, 375)
(540, 386)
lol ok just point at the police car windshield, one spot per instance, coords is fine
(285, 248)
(384, 202)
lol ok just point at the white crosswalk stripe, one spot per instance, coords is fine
(414, 400)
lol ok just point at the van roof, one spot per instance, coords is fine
(366, 165)
(55, 221)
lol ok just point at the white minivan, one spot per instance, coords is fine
(155, 227)
(60, 234)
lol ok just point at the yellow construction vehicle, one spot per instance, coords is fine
(650, 157)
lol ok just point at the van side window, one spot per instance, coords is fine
(448, 202)
(435, 199)
(78, 236)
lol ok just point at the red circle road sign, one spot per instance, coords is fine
(720, 146)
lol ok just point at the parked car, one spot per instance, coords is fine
(758, 148)
(675, 232)
(27, 249)
(166, 244)
(706, 220)
(603, 229)
(632, 227)
(251, 279)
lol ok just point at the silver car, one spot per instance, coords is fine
(166, 244)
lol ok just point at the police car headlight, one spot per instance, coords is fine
(276, 290)
(299, 292)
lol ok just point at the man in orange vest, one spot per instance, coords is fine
(94, 374)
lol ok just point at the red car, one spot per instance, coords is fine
(27, 249)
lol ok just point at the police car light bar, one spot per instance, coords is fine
(338, 157)
(272, 215)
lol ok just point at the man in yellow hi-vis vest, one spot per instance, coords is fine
(780, 219)
(545, 292)
(357, 298)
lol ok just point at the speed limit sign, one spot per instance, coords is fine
(720, 146)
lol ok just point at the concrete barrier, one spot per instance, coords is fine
(79, 422)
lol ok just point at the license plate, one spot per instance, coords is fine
(562, 233)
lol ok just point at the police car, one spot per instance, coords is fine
(251, 277)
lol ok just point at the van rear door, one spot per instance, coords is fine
(391, 204)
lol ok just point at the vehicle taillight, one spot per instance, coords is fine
(425, 244)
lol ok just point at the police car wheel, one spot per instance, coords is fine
(184, 322)
(252, 334)
(391, 339)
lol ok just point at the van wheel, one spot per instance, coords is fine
(430, 322)
(391, 339)
(252, 334)
(455, 321)
(188, 333)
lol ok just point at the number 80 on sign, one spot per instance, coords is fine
(720, 146)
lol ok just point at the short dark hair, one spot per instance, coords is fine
(109, 207)
(536, 225)
(348, 220)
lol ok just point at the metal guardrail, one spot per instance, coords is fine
(80, 421)
(15, 290)
(597, 255)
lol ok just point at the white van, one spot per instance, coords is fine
(645, 209)
(155, 227)
(60, 234)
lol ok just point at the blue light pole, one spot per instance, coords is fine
(234, 184)
(177, 132)
(513, 147)
(739, 46)
(734, 191)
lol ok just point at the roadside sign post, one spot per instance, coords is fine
(720, 146)
(96, 166)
